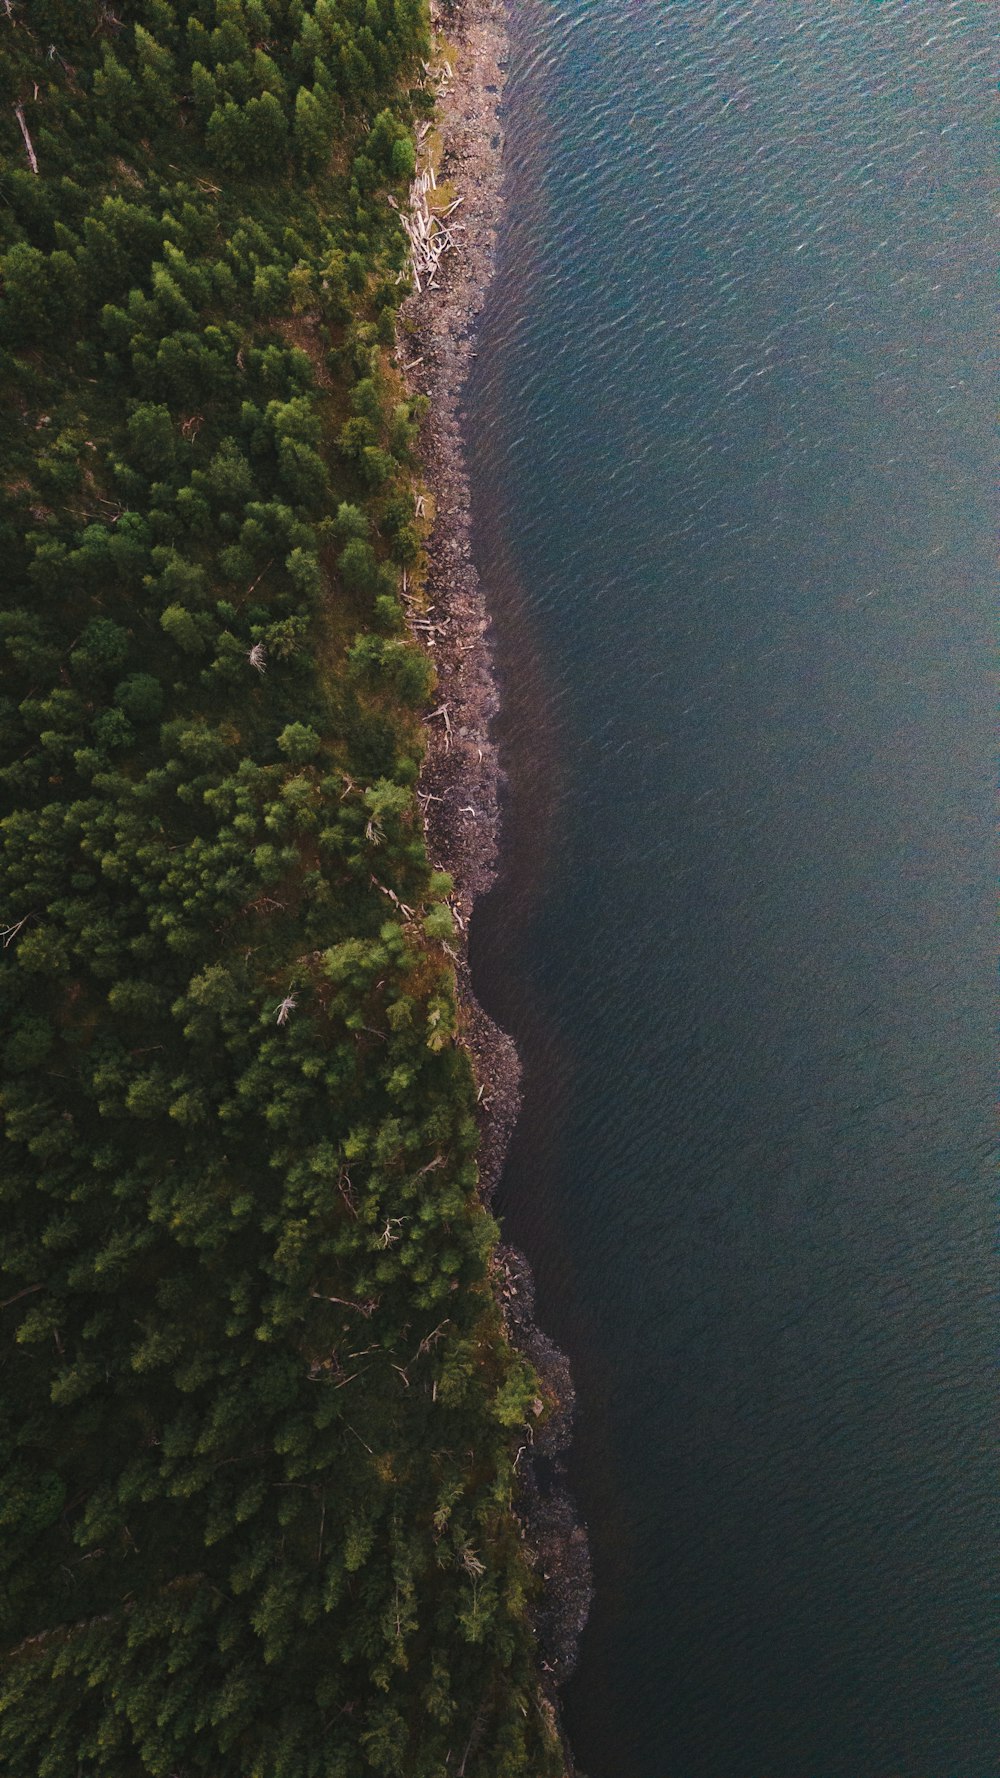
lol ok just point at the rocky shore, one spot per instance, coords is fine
(461, 778)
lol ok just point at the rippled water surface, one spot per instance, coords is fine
(733, 453)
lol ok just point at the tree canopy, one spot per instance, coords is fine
(259, 1415)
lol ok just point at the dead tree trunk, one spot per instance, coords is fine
(32, 157)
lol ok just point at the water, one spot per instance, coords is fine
(733, 453)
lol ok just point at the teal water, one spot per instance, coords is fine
(733, 453)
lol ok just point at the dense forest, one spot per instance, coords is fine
(259, 1416)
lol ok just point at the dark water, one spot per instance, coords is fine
(733, 451)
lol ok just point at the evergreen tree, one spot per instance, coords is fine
(258, 1416)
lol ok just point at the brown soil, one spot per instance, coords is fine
(461, 776)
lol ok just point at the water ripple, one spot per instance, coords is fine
(733, 445)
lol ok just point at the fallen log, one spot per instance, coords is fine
(32, 157)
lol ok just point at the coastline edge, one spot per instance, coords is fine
(461, 778)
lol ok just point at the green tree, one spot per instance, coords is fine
(312, 130)
(154, 443)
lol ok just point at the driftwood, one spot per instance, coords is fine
(429, 237)
(32, 157)
(442, 712)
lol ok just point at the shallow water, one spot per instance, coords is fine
(732, 446)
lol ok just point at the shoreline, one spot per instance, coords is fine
(462, 778)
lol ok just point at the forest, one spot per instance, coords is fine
(259, 1414)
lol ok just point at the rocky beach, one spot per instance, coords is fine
(462, 778)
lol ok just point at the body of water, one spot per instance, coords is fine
(733, 453)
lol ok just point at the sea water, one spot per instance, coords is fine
(732, 442)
